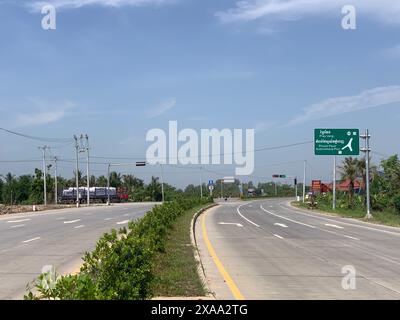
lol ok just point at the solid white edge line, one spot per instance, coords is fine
(238, 211)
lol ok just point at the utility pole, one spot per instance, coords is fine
(367, 150)
(304, 180)
(201, 184)
(221, 181)
(334, 184)
(162, 183)
(77, 171)
(55, 182)
(108, 184)
(87, 171)
(295, 185)
(44, 148)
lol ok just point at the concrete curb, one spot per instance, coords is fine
(200, 267)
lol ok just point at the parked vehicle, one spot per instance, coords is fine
(96, 194)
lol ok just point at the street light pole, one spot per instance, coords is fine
(304, 180)
(162, 183)
(108, 184)
(87, 172)
(44, 148)
(201, 184)
(77, 171)
(55, 182)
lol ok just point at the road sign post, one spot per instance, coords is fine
(337, 142)
(334, 184)
(211, 186)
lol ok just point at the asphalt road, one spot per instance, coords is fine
(268, 250)
(28, 242)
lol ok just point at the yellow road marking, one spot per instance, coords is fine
(229, 281)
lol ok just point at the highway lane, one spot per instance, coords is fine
(272, 251)
(30, 241)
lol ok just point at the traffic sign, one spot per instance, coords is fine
(281, 176)
(229, 180)
(211, 187)
(210, 182)
(337, 142)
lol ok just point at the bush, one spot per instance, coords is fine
(121, 265)
(380, 202)
(396, 203)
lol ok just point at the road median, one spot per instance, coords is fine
(144, 260)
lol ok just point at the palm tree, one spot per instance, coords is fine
(349, 171)
(153, 189)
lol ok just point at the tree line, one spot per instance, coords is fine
(28, 189)
(384, 183)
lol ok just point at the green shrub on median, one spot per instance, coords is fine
(121, 265)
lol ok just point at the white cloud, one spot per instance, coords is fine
(334, 106)
(250, 10)
(161, 108)
(37, 5)
(42, 113)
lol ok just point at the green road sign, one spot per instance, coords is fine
(337, 142)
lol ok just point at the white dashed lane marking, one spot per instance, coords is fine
(72, 221)
(17, 226)
(30, 240)
(123, 222)
(17, 221)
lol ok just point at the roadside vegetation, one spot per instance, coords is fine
(384, 190)
(175, 269)
(127, 264)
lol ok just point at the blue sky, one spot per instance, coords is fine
(115, 69)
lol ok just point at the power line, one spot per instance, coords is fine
(42, 139)
(211, 155)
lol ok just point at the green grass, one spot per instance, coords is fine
(176, 268)
(387, 217)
